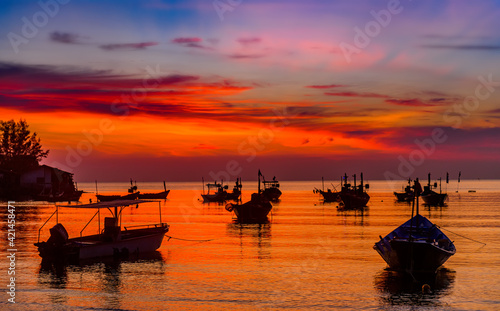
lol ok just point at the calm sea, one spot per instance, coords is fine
(309, 257)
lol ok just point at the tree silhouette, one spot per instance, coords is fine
(19, 149)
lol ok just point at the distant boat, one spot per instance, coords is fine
(407, 195)
(253, 211)
(431, 197)
(155, 196)
(271, 189)
(133, 194)
(235, 195)
(417, 245)
(353, 197)
(115, 197)
(112, 241)
(219, 195)
(71, 196)
(328, 195)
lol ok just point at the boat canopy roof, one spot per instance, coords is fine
(117, 203)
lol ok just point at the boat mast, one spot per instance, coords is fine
(361, 185)
(354, 181)
(259, 181)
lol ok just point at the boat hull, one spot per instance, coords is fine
(234, 196)
(404, 197)
(64, 197)
(417, 245)
(96, 246)
(329, 196)
(154, 196)
(434, 198)
(109, 198)
(219, 197)
(272, 194)
(354, 201)
(253, 211)
(418, 256)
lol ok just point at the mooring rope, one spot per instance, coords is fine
(189, 240)
(463, 236)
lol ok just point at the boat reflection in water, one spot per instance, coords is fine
(109, 271)
(398, 288)
(251, 236)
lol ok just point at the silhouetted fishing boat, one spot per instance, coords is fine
(112, 241)
(253, 211)
(133, 194)
(431, 197)
(219, 195)
(271, 189)
(353, 197)
(155, 196)
(328, 195)
(235, 195)
(72, 196)
(407, 195)
(115, 197)
(417, 245)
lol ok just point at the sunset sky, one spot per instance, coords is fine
(176, 90)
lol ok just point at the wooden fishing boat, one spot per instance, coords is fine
(155, 196)
(112, 241)
(431, 197)
(407, 195)
(417, 245)
(133, 194)
(271, 189)
(328, 195)
(253, 211)
(116, 197)
(353, 197)
(219, 195)
(235, 195)
(71, 196)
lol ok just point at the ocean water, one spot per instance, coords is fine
(308, 257)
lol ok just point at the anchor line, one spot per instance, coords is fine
(463, 236)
